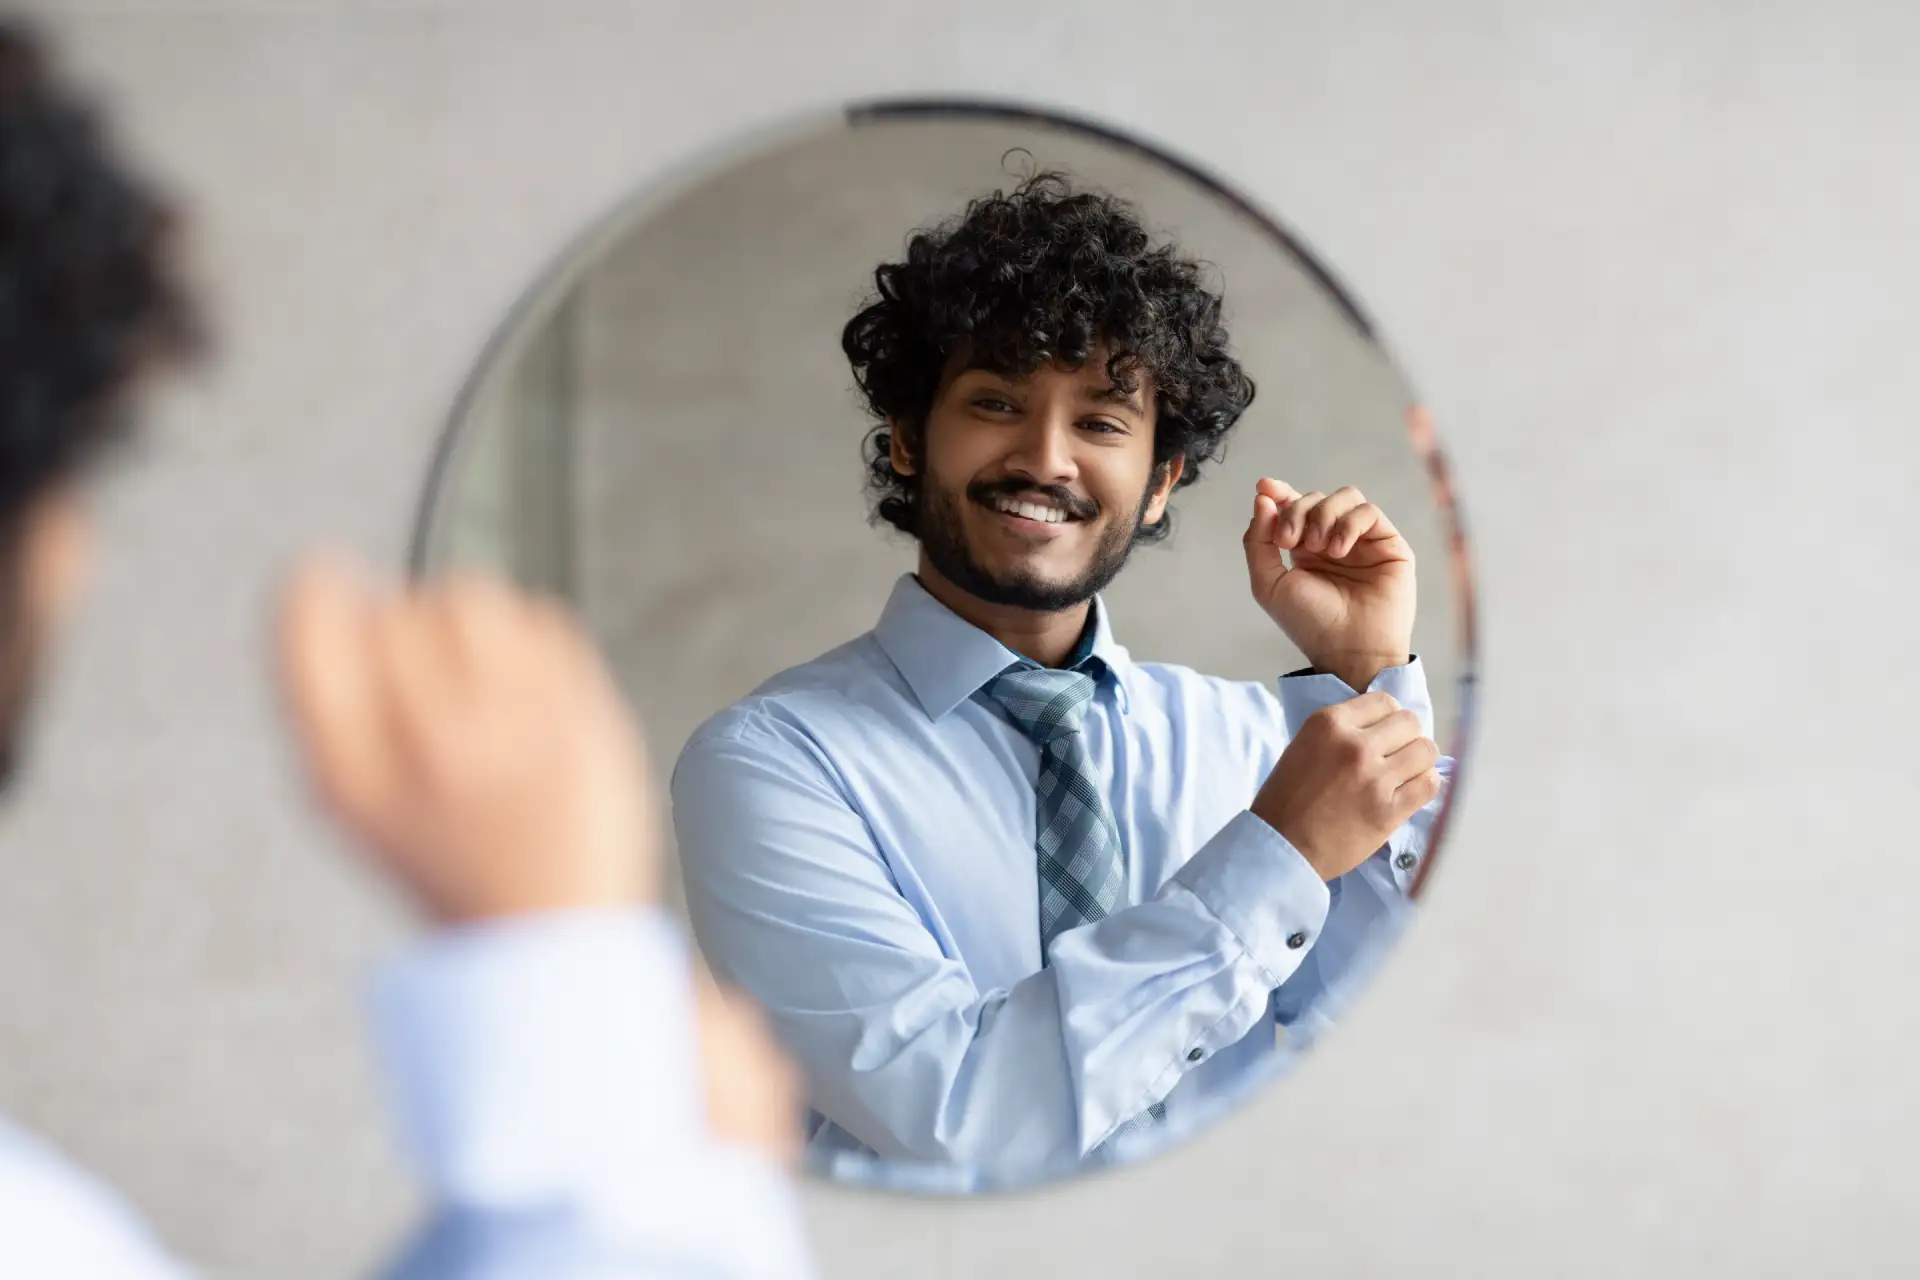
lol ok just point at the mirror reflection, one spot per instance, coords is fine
(1033, 569)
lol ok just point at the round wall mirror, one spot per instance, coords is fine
(1044, 599)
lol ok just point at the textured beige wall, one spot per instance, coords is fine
(1650, 264)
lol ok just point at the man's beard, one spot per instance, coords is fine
(943, 537)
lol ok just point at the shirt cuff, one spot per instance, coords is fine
(1263, 889)
(1301, 696)
(532, 1056)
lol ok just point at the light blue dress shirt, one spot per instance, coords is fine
(544, 1072)
(857, 839)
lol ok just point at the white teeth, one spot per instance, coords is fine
(1032, 511)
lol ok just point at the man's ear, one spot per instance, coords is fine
(56, 553)
(898, 451)
(1170, 472)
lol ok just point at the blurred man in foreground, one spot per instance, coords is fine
(576, 1100)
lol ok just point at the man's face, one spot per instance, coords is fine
(1032, 489)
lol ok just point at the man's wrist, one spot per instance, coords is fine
(1359, 676)
(1288, 831)
(1356, 671)
(524, 1053)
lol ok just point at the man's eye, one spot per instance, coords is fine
(993, 404)
(1105, 427)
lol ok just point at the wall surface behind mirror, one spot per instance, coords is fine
(1652, 267)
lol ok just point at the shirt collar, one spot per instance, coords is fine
(945, 659)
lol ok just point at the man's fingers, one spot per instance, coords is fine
(1320, 522)
(475, 613)
(1349, 529)
(1375, 528)
(1279, 490)
(1263, 527)
(1392, 732)
(1263, 514)
(1382, 526)
(421, 686)
(1293, 527)
(328, 679)
(1266, 562)
(1411, 759)
(1368, 709)
(1416, 793)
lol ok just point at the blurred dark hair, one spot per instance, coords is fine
(87, 294)
(1036, 275)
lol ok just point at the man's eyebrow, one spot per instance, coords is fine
(1115, 395)
(1108, 394)
(983, 366)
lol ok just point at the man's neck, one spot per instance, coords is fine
(1045, 638)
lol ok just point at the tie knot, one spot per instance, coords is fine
(1047, 704)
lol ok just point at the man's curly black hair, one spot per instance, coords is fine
(1043, 274)
(87, 297)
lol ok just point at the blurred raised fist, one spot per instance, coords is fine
(471, 740)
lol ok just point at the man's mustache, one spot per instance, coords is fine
(1052, 495)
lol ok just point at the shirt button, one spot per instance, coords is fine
(1295, 941)
(1195, 1055)
(1405, 861)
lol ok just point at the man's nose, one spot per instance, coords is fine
(1044, 450)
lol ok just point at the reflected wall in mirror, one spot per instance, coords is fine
(1045, 590)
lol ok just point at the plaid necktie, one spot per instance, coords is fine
(1083, 870)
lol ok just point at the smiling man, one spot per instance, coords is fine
(1016, 901)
